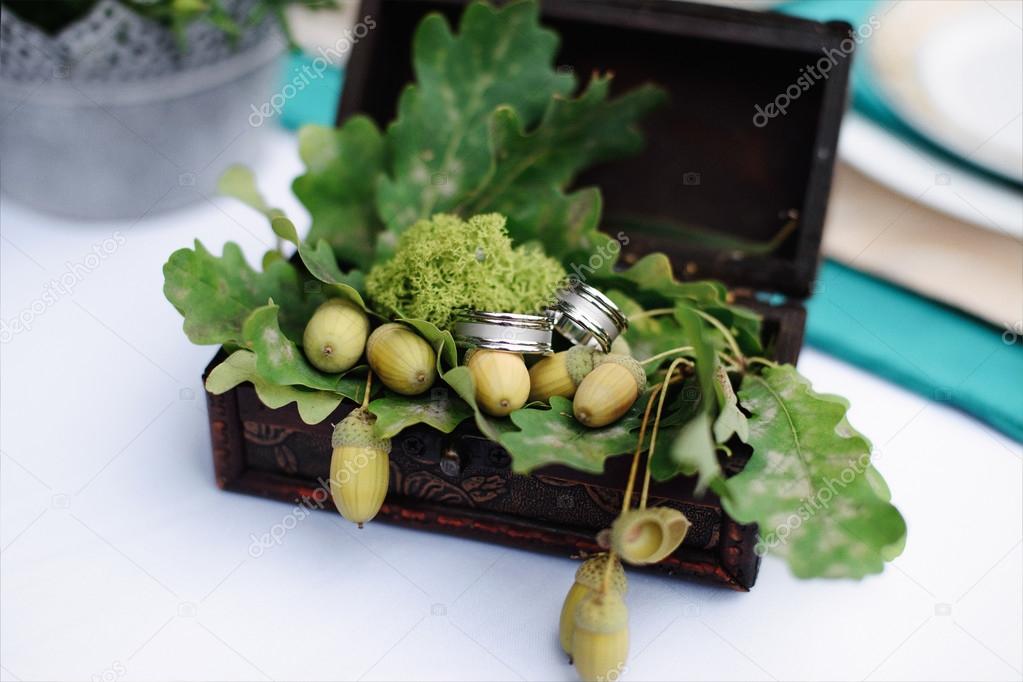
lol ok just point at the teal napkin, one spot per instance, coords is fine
(936, 351)
(313, 96)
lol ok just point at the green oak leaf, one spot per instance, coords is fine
(680, 409)
(730, 420)
(648, 336)
(216, 295)
(439, 409)
(693, 237)
(695, 330)
(530, 167)
(270, 257)
(693, 452)
(280, 361)
(810, 484)
(313, 406)
(677, 414)
(564, 225)
(322, 264)
(553, 436)
(442, 341)
(239, 182)
(338, 187)
(653, 275)
(693, 449)
(440, 141)
(745, 325)
(319, 258)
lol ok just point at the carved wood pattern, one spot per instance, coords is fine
(276, 455)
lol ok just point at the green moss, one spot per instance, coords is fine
(446, 263)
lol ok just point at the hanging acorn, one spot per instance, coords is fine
(359, 467)
(588, 580)
(600, 642)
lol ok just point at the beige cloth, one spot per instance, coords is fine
(873, 229)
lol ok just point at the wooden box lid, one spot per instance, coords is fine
(711, 161)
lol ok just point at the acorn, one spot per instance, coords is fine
(561, 373)
(589, 579)
(600, 643)
(359, 467)
(606, 393)
(502, 381)
(647, 536)
(335, 335)
(402, 359)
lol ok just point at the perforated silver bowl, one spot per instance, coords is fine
(108, 119)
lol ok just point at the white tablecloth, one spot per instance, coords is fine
(121, 559)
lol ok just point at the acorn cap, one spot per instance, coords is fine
(356, 430)
(630, 364)
(580, 361)
(621, 347)
(591, 574)
(647, 536)
(602, 613)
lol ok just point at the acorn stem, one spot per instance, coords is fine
(673, 351)
(731, 363)
(369, 385)
(663, 392)
(605, 581)
(729, 338)
(631, 485)
(653, 312)
(761, 361)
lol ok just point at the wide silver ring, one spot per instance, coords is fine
(512, 332)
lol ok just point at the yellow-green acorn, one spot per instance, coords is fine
(588, 579)
(606, 393)
(560, 374)
(647, 536)
(335, 335)
(600, 643)
(402, 359)
(502, 381)
(359, 467)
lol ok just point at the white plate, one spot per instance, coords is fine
(928, 179)
(954, 71)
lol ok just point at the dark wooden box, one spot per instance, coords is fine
(707, 163)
